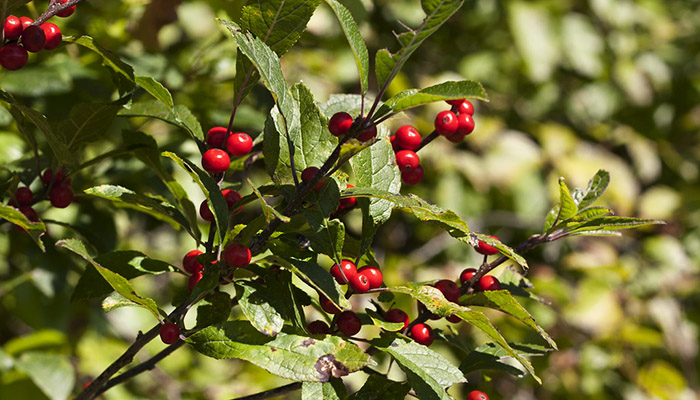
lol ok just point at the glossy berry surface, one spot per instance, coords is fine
(13, 56)
(373, 274)
(237, 255)
(190, 263)
(61, 196)
(169, 333)
(348, 323)
(466, 275)
(465, 107)
(449, 289)
(13, 28)
(231, 196)
(318, 328)
(215, 161)
(53, 35)
(477, 395)
(408, 137)
(216, 136)
(67, 12)
(196, 277)
(446, 123)
(486, 249)
(397, 315)
(422, 334)
(359, 283)
(348, 269)
(455, 102)
(340, 123)
(488, 282)
(239, 144)
(24, 195)
(205, 211)
(412, 176)
(327, 305)
(33, 38)
(368, 134)
(407, 159)
(465, 124)
(26, 21)
(309, 173)
(348, 202)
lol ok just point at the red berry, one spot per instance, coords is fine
(407, 159)
(456, 137)
(397, 315)
(348, 323)
(67, 12)
(465, 124)
(309, 173)
(477, 395)
(13, 28)
(348, 269)
(489, 282)
(33, 38)
(368, 134)
(190, 263)
(231, 197)
(13, 56)
(217, 136)
(394, 143)
(196, 277)
(348, 202)
(215, 161)
(340, 123)
(24, 195)
(239, 144)
(422, 334)
(26, 21)
(60, 177)
(453, 318)
(412, 176)
(327, 305)
(446, 123)
(449, 289)
(408, 138)
(374, 275)
(466, 275)
(237, 255)
(318, 328)
(61, 196)
(359, 283)
(169, 333)
(30, 213)
(465, 107)
(486, 249)
(205, 211)
(53, 35)
(454, 102)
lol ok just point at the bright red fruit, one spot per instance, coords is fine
(422, 334)
(53, 35)
(449, 289)
(465, 124)
(26, 21)
(24, 195)
(215, 161)
(466, 275)
(412, 176)
(340, 123)
(169, 333)
(13, 56)
(67, 12)
(486, 249)
(318, 328)
(466, 107)
(205, 212)
(217, 136)
(13, 28)
(488, 282)
(33, 38)
(368, 134)
(237, 255)
(61, 196)
(394, 144)
(231, 197)
(239, 144)
(196, 277)
(309, 173)
(446, 123)
(359, 283)
(327, 305)
(348, 323)
(348, 202)
(374, 275)
(408, 137)
(407, 159)
(477, 395)
(397, 315)
(190, 263)
(348, 269)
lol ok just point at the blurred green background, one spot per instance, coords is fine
(575, 86)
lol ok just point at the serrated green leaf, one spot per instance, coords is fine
(481, 360)
(58, 145)
(551, 218)
(120, 284)
(444, 91)
(379, 321)
(378, 387)
(214, 309)
(269, 212)
(52, 373)
(596, 188)
(291, 299)
(588, 213)
(115, 300)
(156, 89)
(289, 356)
(180, 115)
(260, 306)
(613, 223)
(34, 229)
(428, 372)
(122, 73)
(315, 143)
(88, 122)
(357, 44)
(567, 205)
(326, 235)
(319, 391)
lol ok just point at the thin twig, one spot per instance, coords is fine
(272, 392)
(54, 8)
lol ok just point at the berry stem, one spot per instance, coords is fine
(54, 8)
(272, 392)
(433, 135)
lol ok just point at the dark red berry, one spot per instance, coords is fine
(477, 395)
(231, 197)
(13, 56)
(26, 21)
(374, 275)
(454, 102)
(348, 323)
(327, 305)
(489, 282)
(412, 176)
(456, 137)
(196, 277)
(205, 211)
(33, 38)
(359, 283)
(237, 255)
(368, 134)
(309, 173)
(24, 195)
(190, 263)
(30, 213)
(60, 177)
(215, 161)
(217, 136)
(407, 159)
(449, 289)
(340, 123)
(169, 333)
(348, 202)
(446, 123)
(453, 318)
(53, 35)
(397, 315)
(67, 12)
(466, 275)
(486, 249)
(465, 124)
(422, 334)
(13, 28)
(318, 328)
(408, 138)
(394, 144)
(61, 196)
(239, 144)
(465, 107)
(348, 269)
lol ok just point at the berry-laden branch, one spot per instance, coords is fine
(54, 8)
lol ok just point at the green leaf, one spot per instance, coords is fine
(596, 188)
(214, 309)
(52, 373)
(379, 321)
(122, 73)
(260, 306)
(567, 205)
(357, 44)
(179, 115)
(319, 391)
(291, 299)
(612, 223)
(289, 356)
(57, 144)
(15, 4)
(115, 300)
(326, 235)
(428, 372)
(88, 122)
(156, 89)
(378, 387)
(269, 212)
(444, 91)
(483, 359)
(589, 213)
(388, 65)
(503, 301)
(34, 229)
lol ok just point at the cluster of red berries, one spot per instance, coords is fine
(231, 196)
(309, 173)
(234, 255)
(341, 122)
(21, 36)
(60, 194)
(216, 160)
